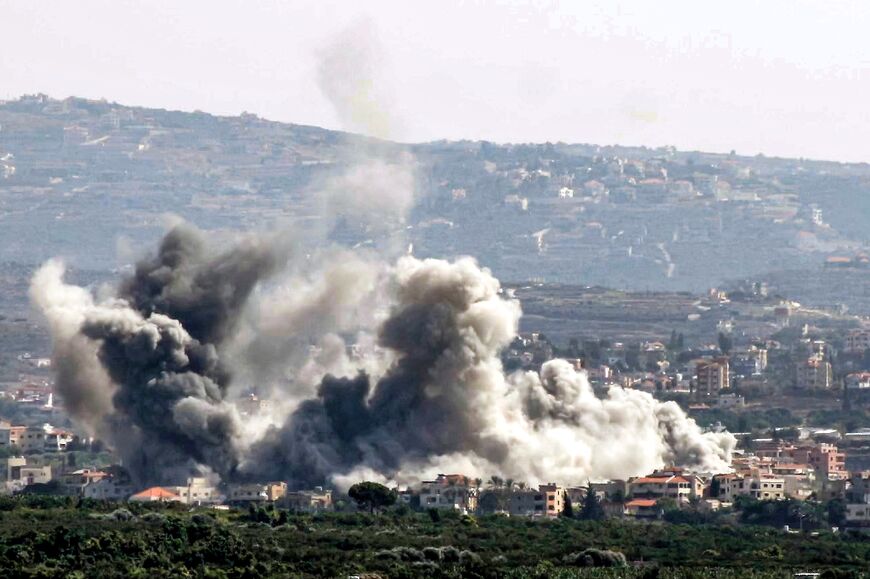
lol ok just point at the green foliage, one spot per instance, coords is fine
(568, 511)
(372, 496)
(597, 558)
(592, 509)
(59, 537)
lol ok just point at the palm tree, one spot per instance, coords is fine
(496, 481)
(509, 484)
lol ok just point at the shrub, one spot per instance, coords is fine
(596, 558)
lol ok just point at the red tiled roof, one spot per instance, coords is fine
(641, 503)
(155, 493)
(652, 480)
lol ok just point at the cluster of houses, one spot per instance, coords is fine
(775, 470)
(707, 371)
(27, 439)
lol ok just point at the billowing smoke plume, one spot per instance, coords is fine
(446, 401)
(157, 392)
(436, 399)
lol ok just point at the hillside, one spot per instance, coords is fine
(91, 181)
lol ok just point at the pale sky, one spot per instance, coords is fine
(787, 78)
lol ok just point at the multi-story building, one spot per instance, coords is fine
(858, 501)
(256, 492)
(547, 501)
(449, 491)
(827, 460)
(74, 482)
(857, 341)
(712, 375)
(671, 483)
(799, 479)
(11, 435)
(749, 362)
(814, 373)
(754, 484)
(198, 491)
(109, 488)
(30, 438)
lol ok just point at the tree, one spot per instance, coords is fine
(672, 342)
(371, 495)
(836, 512)
(725, 343)
(715, 487)
(568, 511)
(592, 509)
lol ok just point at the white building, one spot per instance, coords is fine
(108, 489)
(198, 491)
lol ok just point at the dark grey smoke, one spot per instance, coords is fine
(204, 292)
(158, 343)
(418, 409)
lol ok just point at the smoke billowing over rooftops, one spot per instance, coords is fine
(155, 371)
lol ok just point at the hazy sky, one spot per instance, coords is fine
(779, 77)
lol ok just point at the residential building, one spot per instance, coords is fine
(547, 501)
(858, 515)
(858, 381)
(799, 479)
(256, 492)
(857, 341)
(10, 467)
(309, 501)
(754, 484)
(671, 483)
(749, 362)
(643, 509)
(827, 460)
(814, 373)
(859, 489)
(11, 435)
(455, 492)
(33, 438)
(730, 401)
(76, 481)
(198, 491)
(111, 488)
(712, 375)
(31, 475)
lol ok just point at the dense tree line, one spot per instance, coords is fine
(44, 536)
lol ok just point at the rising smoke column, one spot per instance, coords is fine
(160, 388)
(446, 403)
